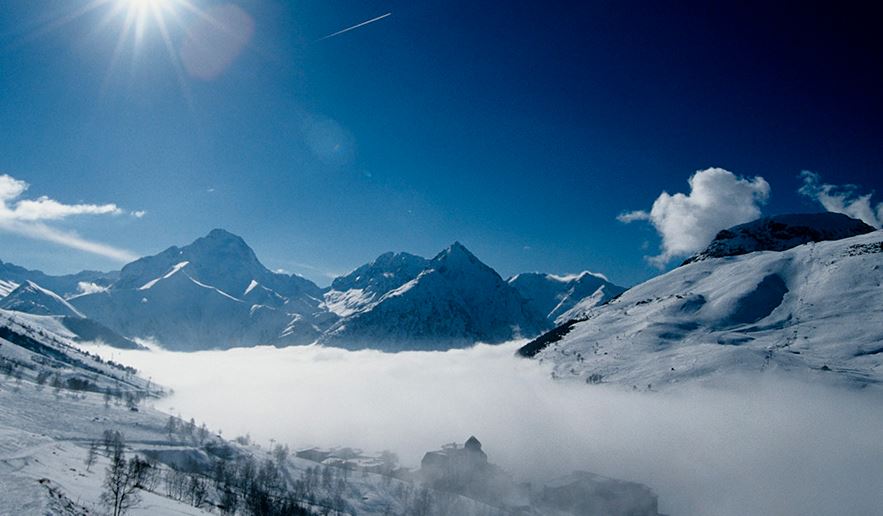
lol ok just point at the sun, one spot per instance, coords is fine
(139, 14)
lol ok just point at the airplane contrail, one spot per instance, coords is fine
(372, 20)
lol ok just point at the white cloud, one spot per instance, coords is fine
(139, 214)
(842, 199)
(87, 287)
(26, 217)
(717, 200)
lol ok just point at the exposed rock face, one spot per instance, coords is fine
(781, 233)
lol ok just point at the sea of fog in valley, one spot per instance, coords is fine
(758, 444)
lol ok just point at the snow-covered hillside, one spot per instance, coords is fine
(455, 300)
(561, 298)
(815, 309)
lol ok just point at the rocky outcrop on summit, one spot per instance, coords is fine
(780, 233)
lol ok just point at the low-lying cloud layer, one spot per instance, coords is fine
(758, 445)
(717, 200)
(842, 199)
(27, 217)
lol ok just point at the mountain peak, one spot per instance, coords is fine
(222, 234)
(222, 237)
(456, 251)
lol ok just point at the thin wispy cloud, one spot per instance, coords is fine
(28, 217)
(356, 26)
(312, 268)
(843, 199)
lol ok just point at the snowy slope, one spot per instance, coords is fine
(455, 301)
(45, 433)
(7, 286)
(34, 299)
(815, 309)
(561, 298)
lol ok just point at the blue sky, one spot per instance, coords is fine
(521, 129)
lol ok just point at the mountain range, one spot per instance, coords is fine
(215, 293)
(791, 291)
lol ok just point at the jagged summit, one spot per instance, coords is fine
(456, 251)
(457, 259)
(780, 233)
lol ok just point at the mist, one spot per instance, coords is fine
(757, 444)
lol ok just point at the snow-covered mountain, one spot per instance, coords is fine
(814, 309)
(222, 260)
(455, 300)
(213, 293)
(561, 298)
(34, 299)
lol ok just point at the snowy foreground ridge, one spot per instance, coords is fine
(813, 309)
(72, 423)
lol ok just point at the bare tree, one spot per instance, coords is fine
(203, 433)
(280, 453)
(121, 482)
(171, 426)
(91, 455)
(198, 490)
